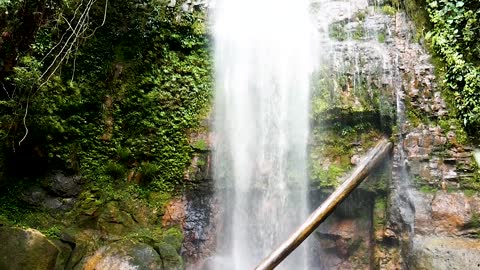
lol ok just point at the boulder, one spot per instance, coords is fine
(64, 186)
(26, 249)
(57, 194)
(171, 260)
(34, 195)
(122, 255)
(39, 197)
(444, 253)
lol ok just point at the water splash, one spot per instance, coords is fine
(264, 56)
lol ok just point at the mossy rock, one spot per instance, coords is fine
(174, 237)
(115, 221)
(64, 255)
(123, 255)
(170, 257)
(27, 249)
(140, 211)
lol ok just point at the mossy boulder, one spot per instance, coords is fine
(113, 220)
(170, 258)
(173, 237)
(444, 253)
(27, 249)
(122, 255)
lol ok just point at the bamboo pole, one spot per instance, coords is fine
(378, 154)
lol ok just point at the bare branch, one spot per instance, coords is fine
(65, 51)
(5, 89)
(25, 123)
(79, 24)
(104, 20)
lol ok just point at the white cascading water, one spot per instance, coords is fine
(264, 57)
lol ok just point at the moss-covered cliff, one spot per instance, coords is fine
(98, 100)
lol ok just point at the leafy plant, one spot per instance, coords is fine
(124, 154)
(149, 171)
(389, 10)
(359, 32)
(361, 15)
(454, 38)
(381, 37)
(200, 145)
(115, 170)
(337, 31)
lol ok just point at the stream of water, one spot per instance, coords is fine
(264, 57)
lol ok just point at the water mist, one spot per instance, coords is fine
(264, 57)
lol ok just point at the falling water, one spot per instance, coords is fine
(264, 56)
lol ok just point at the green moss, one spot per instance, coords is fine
(170, 258)
(474, 221)
(147, 235)
(336, 151)
(381, 37)
(359, 32)
(124, 154)
(472, 183)
(380, 213)
(470, 192)
(330, 176)
(360, 15)
(53, 232)
(115, 170)
(428, 189)
(415, 116)
(337, 31)
(200, 145)
(379, 179)
(174, 237)
(158, 199)
(389, 10)
(473, 225)
(149, 172)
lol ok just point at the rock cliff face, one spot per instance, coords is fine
(128, 210)
(431, 196)
(119, 233)
(420, 211)
(434, 169)
(403, 216)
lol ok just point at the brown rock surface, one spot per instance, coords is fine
(174, 213)
(444, 213)
(444, 253)
(450, 212)
(26, 249)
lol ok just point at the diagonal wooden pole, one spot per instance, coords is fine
(375, 157)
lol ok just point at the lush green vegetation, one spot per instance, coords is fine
(454, 37)
(123, 98)
(347, 121)
(450, 30)
(337, 31)
(108, 90)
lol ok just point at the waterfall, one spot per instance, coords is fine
(264, 56)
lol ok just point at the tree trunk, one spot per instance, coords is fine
(375, 157)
